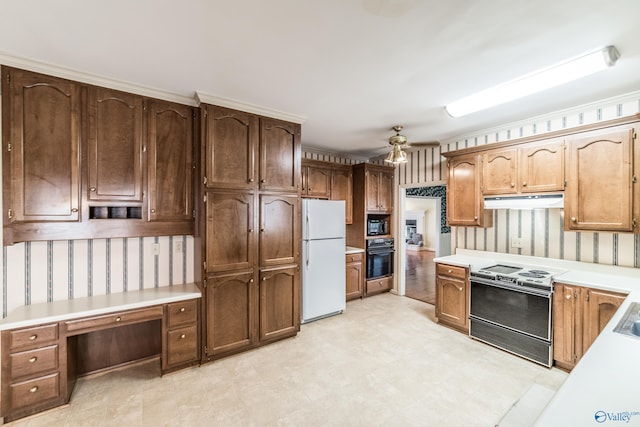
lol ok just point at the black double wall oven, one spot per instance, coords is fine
(380, 253)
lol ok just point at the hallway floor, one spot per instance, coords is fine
(420, 276)
(383, 362)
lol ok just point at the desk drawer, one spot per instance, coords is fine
(34, 362)
(182, 345)
(34, 391)
(451, 271)
(33, 337)
(181, 313)
(116, 319)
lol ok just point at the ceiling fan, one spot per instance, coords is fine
(396, 155)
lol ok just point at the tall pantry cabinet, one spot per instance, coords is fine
(248, 252)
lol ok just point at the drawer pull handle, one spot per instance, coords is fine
(33, 359)
(33, 337)
(183, 336)
(118, 319)
(182, 309)
(449, 271)
(568, 296)
(33, 389)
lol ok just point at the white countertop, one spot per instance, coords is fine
(606, 380)
(353, 250)
(56, 311)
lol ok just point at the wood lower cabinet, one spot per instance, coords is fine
(279, 303)
(355, 276)
(599, 194)
(465, 205)
(452, 296)
(579, 315)
(180, 345)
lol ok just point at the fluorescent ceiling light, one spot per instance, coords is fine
(538, 81)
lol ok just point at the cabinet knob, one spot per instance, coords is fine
(524, 184)
(92, 189)
(574, 219)
(153, 211)
(182, 309)
(567, 296)
(513, 184)
(264, 278)
(309, 189)
(33, 337)
(251, 180)
(33, 389)
(263, 181)
(475, 218)
(262, 230)
(183, 336)
(74, 209)
(449, 271)
(118, 319)
(460, 289)
(33, 359)
(250, 230)
(251, 281)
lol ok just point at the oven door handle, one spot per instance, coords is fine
(380, 251)
(509, 287)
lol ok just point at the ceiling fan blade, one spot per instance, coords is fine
(424, 144)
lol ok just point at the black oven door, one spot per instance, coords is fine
(524, 311)
(379, 263)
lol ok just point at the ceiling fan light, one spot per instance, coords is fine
(396, 156)
(538, 81)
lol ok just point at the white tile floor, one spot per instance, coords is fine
(384, 362)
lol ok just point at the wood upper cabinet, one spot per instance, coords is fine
(532, 168)
(599, 194)
(316, 181)
(230, 231)
(231, 307)
(452, 296)
(115, 145)
(231, 141)
(579, 315)
(342, 189)
(279, 303)
(41, 148)
(279, 229)
(465, 205)
(379, 190)
(279, 155)
(170, 161)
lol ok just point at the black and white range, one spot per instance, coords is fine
(511, 309)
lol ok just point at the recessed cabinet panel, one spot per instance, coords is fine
(279, 306)
(170, 161)
(342, 189)
(115, 145)
(465, 205)
(230, 234)
(542, 168)
(279, 155)
(279, 229)
(231, 139)
(499, 172)
(44, 135)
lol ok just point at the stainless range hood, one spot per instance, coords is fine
(545, 201)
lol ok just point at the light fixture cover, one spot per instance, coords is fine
(538, 81)
(396, 155)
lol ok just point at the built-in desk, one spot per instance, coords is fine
(46, 346)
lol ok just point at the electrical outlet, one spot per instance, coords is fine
(156, 248)
(178, 246)
(517, 242)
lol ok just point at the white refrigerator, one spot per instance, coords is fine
(323, 258)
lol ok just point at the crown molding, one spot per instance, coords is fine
(205, 98)
(93, 79)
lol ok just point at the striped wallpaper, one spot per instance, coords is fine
(542, 229)
(47, 271)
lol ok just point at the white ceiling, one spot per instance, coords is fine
(353, 68)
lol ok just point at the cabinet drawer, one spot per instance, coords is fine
(34, 391)
(379, 285)
(451, 271)
(180, 313)
(354, 257)
(182, 345)
(115, 319)
(34, 362)
(33, 337)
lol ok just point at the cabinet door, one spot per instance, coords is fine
(567, 325)
(170, 161)
(464, 202)
(541, 168)
(599, 308)
(355, 280)
(279, 229)
(115, 145)
(231, 138)
(499, 172)
(342, 189)
(317, 182)
(385, 192)
(230, 236)
(599, 190)
(231, 307)
(279, 303)
(42, 162)
(279, 155)
(372, 192)
(451, 302)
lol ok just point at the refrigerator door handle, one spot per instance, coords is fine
(307, 229)
(308, 253)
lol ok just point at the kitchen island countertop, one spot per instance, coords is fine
(602, 388)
